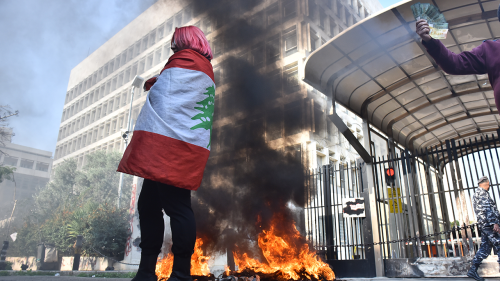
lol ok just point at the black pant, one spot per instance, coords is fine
(489, 239)
(176, 202)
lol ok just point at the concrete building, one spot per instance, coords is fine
(98, 97)
(33, 168)
(295, 119)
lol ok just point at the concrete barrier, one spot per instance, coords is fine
(18, 261)
(87, 263)
(438, 267)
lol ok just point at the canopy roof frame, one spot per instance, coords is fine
(342, 67)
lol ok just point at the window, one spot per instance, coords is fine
(152, 38)
(217, 46)
(275, 79)
(293, 118)
(315, 42)
(289, 9)
(124, 98)
(348, 17)
(273, 124)
(217, 77)
(169, 25)
(126, 78)
(290, 41)
(44, 167)
(149, 61)
(333, 26)
(159, 32)
(273, 15)
(258, 55)
(188, 14)
(178, 19)
(322, 19)
(258, 20)
(207, 26)
(143, 46)
(273, 49)
(166, 51)
(141, 66)
(113, 84)
(313, 11)
(130, 53)
(26, 163)
(157, 59)
(319, 120)
(291, 75)
(119, 82)
(123, 59)
(339, 9)
(11, 161)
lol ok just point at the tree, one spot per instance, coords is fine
(79, 202)
(207, 115)
(5, 135)
(5, 132)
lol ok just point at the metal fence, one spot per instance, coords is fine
(432, 194)
(426, 212)
(333, 234)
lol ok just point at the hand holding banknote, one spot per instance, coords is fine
(423, 30)
(430, 22)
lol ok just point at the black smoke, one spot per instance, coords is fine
(246, 182)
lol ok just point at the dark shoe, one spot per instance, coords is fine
(147, 268)
(473, 273)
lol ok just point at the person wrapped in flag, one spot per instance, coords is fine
(170, 148)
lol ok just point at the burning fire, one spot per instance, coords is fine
(199, 263)
(287, 256)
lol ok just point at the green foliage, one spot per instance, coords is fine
(79, 202)
(6, 173)
(207, 109)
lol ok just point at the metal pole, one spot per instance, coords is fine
(125, 137)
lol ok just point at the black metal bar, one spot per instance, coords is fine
(328, 211)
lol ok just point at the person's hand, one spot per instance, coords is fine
(423, 30)
(496, 228)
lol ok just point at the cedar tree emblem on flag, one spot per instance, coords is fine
(207, 109)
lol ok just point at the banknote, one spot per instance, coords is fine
(435, 19)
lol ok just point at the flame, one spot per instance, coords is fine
(164, 267)
(199, 263)
(286, 254)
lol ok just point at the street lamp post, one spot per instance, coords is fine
(136, 83)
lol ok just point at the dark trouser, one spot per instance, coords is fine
(489, 239)
(176, 202)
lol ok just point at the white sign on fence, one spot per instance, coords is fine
(353, 207)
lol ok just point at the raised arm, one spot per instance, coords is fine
(472, 62)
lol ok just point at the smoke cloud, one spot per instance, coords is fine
(245, 182)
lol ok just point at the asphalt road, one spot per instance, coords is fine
(57, 278)
(71, 278)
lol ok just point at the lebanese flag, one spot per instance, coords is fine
(171, 141)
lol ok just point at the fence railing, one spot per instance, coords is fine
(426, 212)
(331, 232)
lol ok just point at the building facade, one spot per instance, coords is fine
(33, 168)
(98, 97)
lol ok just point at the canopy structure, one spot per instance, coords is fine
(379, 69)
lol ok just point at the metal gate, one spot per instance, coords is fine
(426, 212)
(432, 197)
(338, 238)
